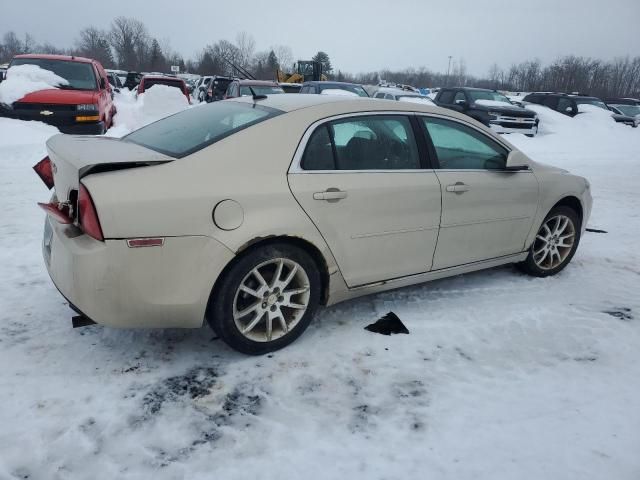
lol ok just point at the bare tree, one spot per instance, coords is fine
(285, 56)
(129, 37)
(94, 43)
(246, 46)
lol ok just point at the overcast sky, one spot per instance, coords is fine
(360, 35)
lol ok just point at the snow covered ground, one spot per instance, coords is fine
(503, 376)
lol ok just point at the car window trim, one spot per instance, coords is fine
(295, 166)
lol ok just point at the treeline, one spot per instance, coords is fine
(128, 45)
(619, 77)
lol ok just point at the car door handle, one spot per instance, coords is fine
(458, 187)
(330, 195)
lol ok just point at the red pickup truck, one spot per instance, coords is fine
(84, 106)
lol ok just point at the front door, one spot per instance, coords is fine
(362, 183)
(487, 212)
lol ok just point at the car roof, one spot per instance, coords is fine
(329, 82)
(469, 88)
(398, 91)
(68, 58)
(257, 83)
(161, 77)
(344, 104)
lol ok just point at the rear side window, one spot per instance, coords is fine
(379, 142)
(319, 152)
(193, 129)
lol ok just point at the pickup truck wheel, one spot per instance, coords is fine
(555, 243)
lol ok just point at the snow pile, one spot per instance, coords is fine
(492, 103)
(16, 133)
(24, 79)
(338, 91)
(135, 112)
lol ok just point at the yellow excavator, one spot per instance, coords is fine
(306, 71)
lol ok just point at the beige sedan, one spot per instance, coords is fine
(250, 213)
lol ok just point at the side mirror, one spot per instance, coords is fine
(462, 103)
(517, 161)
(103, 84)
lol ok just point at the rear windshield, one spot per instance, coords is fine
(79, 75)
(266, 90)
(193, 129)
(150, 82)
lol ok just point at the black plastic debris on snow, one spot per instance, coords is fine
(595, 230)
(622, 313)
(387, 325)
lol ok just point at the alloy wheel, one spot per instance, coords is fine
(554, 242)
(271, 300)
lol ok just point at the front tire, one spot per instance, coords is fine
(266, 299)
(555, 244)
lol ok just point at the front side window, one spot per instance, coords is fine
(193, 129)
(565, 106)
(460, 147)
(378, 142)
(459, 97)
(245, 92)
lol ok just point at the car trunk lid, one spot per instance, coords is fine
(74, 157)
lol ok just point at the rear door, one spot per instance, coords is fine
(487, 212)
(362, 180)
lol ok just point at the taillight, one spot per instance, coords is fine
(87, 215)
(45, 171)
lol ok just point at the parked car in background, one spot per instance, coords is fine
(217, 88)
(83, 106)
(200, 91)
(490, 108)
(320, 86)
(204, 216)
(629, 107)
(623, 101)
(568, 104)
(401, 95)
(133, 80)
(249, 88)
(291, 87)
(149, 81)
(114, 80)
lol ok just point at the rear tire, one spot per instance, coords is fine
(555, 244)
(266, 299)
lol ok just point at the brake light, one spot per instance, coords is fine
(44, 169)
(87, 215)
(59, 212)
